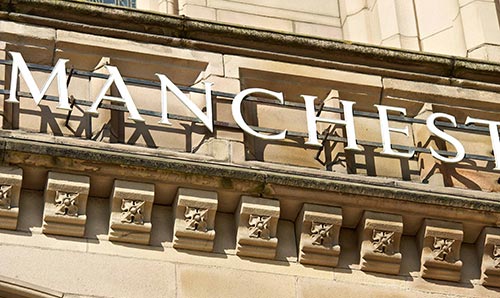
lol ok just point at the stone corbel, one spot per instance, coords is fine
(131, 206)
(488, 248)
(380, 237)
(317, 228)
(194, 219)
(65, 210)
(440, 243)
(11, 180)
(257, 223)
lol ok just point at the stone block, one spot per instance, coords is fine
(488, 248)
(357, 27)
(194, 219)
(318, 30)
(131, 206)
(255, 21)
(380, 237)
(444, 13)
(450, 41)
(440, 243)
(318, 228)
(322, 12)
(216, 148)
(11, 179)
(198, 12)
(486, 52)
(257, 222)
(65, 210)
(480, 24)
(196, 281)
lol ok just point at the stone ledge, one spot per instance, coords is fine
(196, 34)
(264, 175)
(17, 288)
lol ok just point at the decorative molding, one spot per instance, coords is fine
(382, 240)
(321, 234)
(317, 228)
(5, 196)
(194, 219)
(65, 204)
(132, 211)
(11, 179)
(131, 206)
(259, 226)
(440, 243)
(257, 222)
(495, 255)
(380, 237)
(488, 248)
(442, 249)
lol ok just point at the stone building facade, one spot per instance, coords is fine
(216, 148)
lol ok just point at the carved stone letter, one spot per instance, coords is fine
(257, 222)
(318, 229)
(194, 219)
(66, 204)
(131, 205)
(380, 236)
(440, 243)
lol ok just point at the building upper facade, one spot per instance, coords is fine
(464, 28)
(164, 148)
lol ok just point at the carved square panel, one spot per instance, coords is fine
(194, 219)
(257, 223)
(440, 242)
(488, 247)
(65, 210)
(380, 238)
(131, 206)
(11, 179)
(318, 228)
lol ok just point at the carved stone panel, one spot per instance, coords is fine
(66, 204)
(380, 237)
(440, 242)
(11, 179)
(488, 248)
(317, 228)
(257, 222)
(131, 206)
(194, 219)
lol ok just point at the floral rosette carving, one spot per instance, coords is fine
(132, 211)
(259, 227)
(66, 203)
(5, 193)
(196, 219)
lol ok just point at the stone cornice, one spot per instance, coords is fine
(225, 38)
(260, 178)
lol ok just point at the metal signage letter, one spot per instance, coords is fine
(348, 122)
(495, 142)
(385, 131)
(206, 119)
(59, 71)
(116, 77)
(236, 110)
(441, 134)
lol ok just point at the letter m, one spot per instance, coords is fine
(59, 71)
